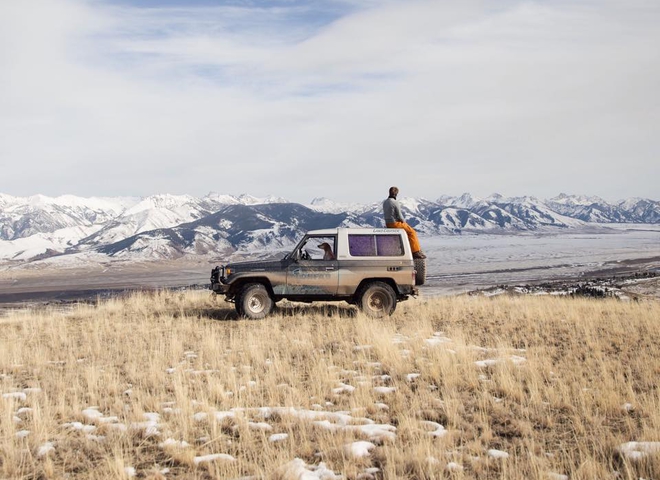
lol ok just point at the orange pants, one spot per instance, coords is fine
(412, 235)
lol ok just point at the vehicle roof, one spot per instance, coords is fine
(335, 231)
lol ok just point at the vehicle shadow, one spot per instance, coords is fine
(293, 309)
(217, 313)
(284, 309)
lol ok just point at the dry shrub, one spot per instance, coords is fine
(555, 384)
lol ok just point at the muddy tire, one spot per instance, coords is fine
(377, 299)
(420, 271)
(254, 302)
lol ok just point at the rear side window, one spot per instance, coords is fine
(375, 245)
(389, 245)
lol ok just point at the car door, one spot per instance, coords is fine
(314, 271)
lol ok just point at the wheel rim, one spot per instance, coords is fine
(377, 302)
(256, 304)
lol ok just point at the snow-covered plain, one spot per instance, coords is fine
(464, 262)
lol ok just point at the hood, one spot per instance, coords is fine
(253, 266)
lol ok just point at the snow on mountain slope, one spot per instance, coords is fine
(323, 204)
(44, 244)
(534, 213)
(25, 216)
(465, 201)
(588, 209)
(455, 220)
(243, 199)
(256, 229)
(640, 210)
(151, 213)
(577, 200)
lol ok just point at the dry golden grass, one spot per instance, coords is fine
(550, 390)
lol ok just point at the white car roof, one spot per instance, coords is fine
(363, 231)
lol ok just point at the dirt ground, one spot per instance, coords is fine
(24, 287)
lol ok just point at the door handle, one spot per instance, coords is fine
(329, 269)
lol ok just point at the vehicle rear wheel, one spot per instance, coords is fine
(254, 302)
(420, 271)
(377, 299)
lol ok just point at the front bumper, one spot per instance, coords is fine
(219, 288)
(217, 276)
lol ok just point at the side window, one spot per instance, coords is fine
(319, 248)
(362, 245)
(375, 245)
(389, 245)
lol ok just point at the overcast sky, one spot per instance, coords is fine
(337, 98)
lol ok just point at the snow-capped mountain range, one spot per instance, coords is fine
(101, 229)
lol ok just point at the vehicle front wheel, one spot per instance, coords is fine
(254, 302)
(377, 299)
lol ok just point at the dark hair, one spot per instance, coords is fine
(394, 191)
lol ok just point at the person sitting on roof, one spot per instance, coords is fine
(394, 219)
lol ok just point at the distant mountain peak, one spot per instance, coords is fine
(565, 199)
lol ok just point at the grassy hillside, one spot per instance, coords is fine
(173, 386)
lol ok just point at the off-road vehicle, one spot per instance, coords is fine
(371, 268)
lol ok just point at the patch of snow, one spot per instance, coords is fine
(22, 433)
(220, 416)
(454, 467)
(378, 432)
(92, 413)
(45, 449)
(80, 427)
(556, 476)
(384, 390)
(213, 457)
(117, 426)
(297, 469)
(108, 419)
(21, 396)
(359, 348)
(343, 388)
(150, 427)
(639, 450)
(200, 416)
(359, 449)
(171, 443)
(278, 437)
(259, 426)
(437, 430)
(486, 363)
(493, 453)
(494, 293)
(515, 359)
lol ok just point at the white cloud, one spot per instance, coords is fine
(438, 97)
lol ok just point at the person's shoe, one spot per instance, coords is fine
(420, 255)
